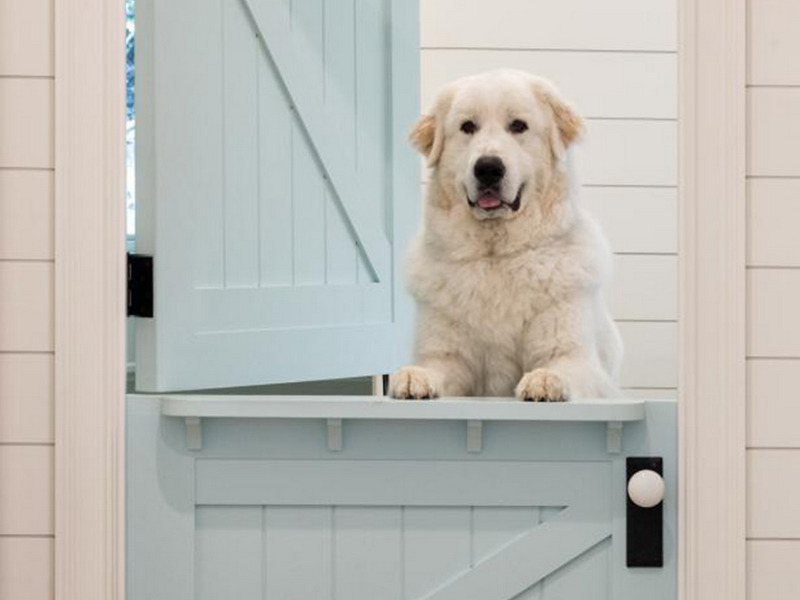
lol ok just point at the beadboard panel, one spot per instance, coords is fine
(773, 321)
(26, 120)
(26, 37)
(26, 306)
(625, 153)
(26, 214)
(616, 62)
(773, 211)
(568, 24)
(772, 572)
(26, 568)
(773, 42)
(645, 288)
(639, 153)
(651, 393)
(654, 211)
(772, 491)
(26, 478)
(599, 84)
(773, 132)
(26, 398)
(773, 403)
(651, 354)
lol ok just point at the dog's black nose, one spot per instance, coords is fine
(489, 170)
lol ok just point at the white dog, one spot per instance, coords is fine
(508, 271)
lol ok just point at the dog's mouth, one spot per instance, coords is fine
(491, 200)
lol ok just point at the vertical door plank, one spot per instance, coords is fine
(367, 553)
(228, 553)
(308, 199)
(340, 71)
(372, 101)
(298, 553)
(275, 124)
(309, 185)
(190, 151)
(241, 147)
(160, 506)
(340, 105)
(586, 577)
(437, 547)
(340, 249)
(493, 528)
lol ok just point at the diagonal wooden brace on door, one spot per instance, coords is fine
(272, 20)
(528, 559)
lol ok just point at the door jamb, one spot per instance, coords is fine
(90, 300)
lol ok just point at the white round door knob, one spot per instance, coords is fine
(646, 488)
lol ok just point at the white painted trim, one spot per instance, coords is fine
(364, 407)
(90, 299)
(712, 300)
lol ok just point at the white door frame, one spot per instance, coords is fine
(90, 299)
(712, 409)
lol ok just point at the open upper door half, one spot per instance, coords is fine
(275, 188)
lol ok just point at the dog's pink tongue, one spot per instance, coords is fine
(488, 201)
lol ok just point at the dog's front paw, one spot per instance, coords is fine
(542, 385)
(412, 383)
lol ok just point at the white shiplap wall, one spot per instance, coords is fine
(26, 300)
(616, 61)
(773, 301)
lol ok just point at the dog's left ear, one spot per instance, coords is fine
(569, 125)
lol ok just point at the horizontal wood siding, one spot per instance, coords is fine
(26, 300)
(616, 62)
(26, 398)
(773, 287)
(26, 481)
(565, 25)
(774, 43)
(26, 568)
(26, 120)
(26, 306)
(26, 214)
(772, 569)
(26, 38)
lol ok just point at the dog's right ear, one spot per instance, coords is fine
(428, 134)
(428, 137)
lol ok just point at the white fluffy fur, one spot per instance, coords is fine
(508, 302)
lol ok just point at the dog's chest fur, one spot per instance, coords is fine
(496, 297)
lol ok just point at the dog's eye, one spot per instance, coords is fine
(469, 127)
(518, 126)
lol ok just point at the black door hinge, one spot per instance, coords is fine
(140, 285)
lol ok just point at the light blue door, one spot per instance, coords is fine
(403, 511)
(275, 188)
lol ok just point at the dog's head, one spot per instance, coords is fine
(493, 140)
